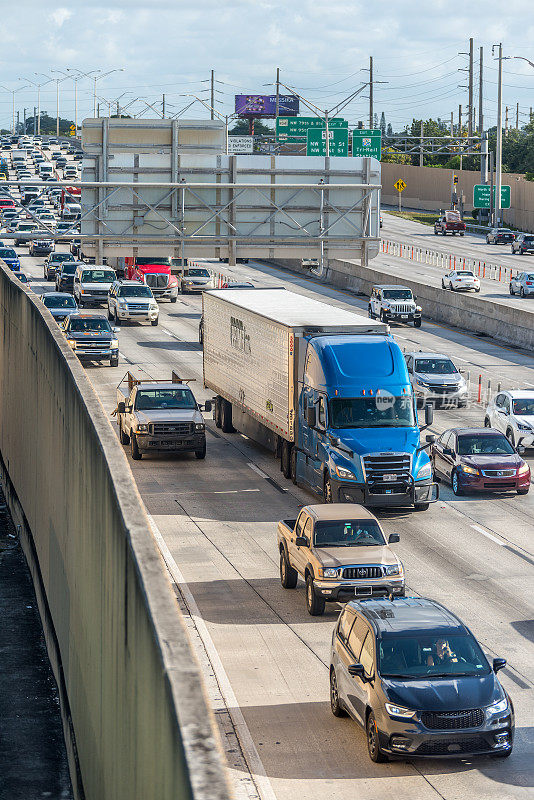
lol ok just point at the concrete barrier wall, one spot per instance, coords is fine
(472, 313)
(429, 188)
(117, 641)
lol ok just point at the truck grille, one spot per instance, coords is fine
(171, 428)
(444, 388)
(101, 345)
(157, 281)
(403, 309)
(98, 292)
(352, 573)
(453, 720)
(140, 307)
(498, 473)
(443, 747)
(387, 473)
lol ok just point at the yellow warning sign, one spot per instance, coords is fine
(400, 186)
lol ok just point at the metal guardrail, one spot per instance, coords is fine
(448, 261)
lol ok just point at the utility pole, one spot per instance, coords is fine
(24, 118)
(470, 115)
(460, 134)
(517, 116)
(212, 94)
(481, 92)
(57, 106)
(492, 184)
(452, 123)
(484, 158)
(421, 146)
(498, 166)
(34, 120)
(371, 114)
(163, 108)
(118, 109)
(18, 122)
(506, 123)
(98, 110)
(277, 92)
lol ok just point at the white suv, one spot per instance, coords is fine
(394, 304)
(512, 412)
(131, 300)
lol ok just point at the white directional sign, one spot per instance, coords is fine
(240, 144)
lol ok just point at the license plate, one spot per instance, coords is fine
(364, 591)
(404, 316)
(389, 477)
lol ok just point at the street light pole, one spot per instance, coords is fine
(498, 165)
(97, 78)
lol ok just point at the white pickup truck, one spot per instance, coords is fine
(160, 416)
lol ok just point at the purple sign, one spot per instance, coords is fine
(264, 105)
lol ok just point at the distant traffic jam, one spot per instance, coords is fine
(331, 394)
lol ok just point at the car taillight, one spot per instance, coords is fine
(528, 283)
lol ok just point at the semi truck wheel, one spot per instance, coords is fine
(285, 459)
(294, 465)
(226, 417)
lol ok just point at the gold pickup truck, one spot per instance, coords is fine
(341, 553)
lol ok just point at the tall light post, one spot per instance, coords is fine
(34, 83)
(498, 159)
(13, 92)
(99, 77)
(58, 81)
(76, 78)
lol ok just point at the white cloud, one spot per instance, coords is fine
(60, 15)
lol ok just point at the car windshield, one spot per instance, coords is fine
(98, 276)
(23, 226)
(69, 268)
(382, 411)
(397, 294)
(91, 325)
(524, 407)
(143, 262)
(7, 252)
(348, 533)
(152, 399)
(134, 291)
(431, 655)
(484, 444)
(59, 302)
(62, 257)
(197, 273)
(435, 366)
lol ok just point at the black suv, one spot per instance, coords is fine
(414, 676)
(65, 276)
(523, 244)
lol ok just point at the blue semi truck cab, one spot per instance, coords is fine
(358, 438)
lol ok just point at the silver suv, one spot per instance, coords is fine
(131, 300)
(522, 284)
(436, 379)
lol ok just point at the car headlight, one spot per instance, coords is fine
(142, 428)
(200, 426)
(418, 308)
(399, 711)
(114, 344)
(330, 572)
(422, 383)
(153, 305)
(425, 471)
(346, 474)
(71, 343)
(393, 569)
(468, 470)
(523, 427)
(498, 708)
(523, 469)
(123, 304)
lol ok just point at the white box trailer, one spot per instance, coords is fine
(253, 353)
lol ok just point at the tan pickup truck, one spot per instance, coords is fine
(341, 553)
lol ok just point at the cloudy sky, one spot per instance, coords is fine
(322, 49)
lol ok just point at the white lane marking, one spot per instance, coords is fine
(257, 470)
(234, 491)
(167, 332)
(250, 752)
(489, 535)
(528, 384)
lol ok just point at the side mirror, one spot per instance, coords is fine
(393, 537)
(356, 670)
(334, 441)
(301, 541)
(448, 451)
(498, 663)
(520, 449)
(430, 438)
(311, 416)
(207, 406)
(429, 414)
(121, 408)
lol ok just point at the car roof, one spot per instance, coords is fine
(472, 431)
(519, 393)
(162, 385)
(408, 615)
(423, 354)
(338, 511)
(56, 294)
(86, 315)
(390, 286)
(129, 283)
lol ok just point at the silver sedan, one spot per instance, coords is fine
(522, 284)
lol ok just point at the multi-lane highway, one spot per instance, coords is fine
(265, 659)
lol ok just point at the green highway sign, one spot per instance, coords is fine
(367, 143)
(294, 129)
(481, 196)
(338, 142)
